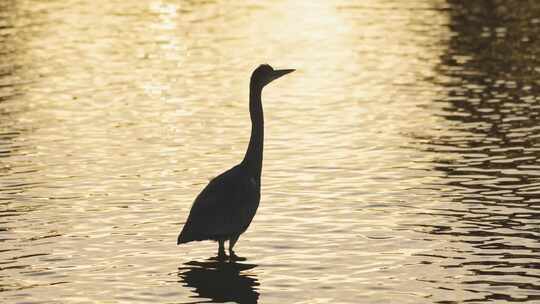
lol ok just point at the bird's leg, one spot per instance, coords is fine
(232, 255)
(221, 250)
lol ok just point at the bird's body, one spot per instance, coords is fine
(225, 207)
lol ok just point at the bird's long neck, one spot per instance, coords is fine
(254, 154)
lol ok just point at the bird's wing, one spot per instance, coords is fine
(211, 215)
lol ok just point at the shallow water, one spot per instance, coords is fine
(401, 158)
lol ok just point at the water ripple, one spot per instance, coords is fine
(401, 159)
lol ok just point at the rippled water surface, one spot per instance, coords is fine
(401, 158)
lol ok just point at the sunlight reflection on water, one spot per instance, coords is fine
(400, 161)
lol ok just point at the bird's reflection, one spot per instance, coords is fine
(220, 281)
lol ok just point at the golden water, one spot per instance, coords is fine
(401, 158)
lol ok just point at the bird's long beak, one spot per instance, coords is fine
(278, 73)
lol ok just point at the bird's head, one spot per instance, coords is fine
(264, 74)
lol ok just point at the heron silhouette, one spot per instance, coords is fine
(225, 207)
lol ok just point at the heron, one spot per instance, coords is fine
(226, 206)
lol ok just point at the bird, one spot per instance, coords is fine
(224, 209)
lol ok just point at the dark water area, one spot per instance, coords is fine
(401, 158)
(492, 65)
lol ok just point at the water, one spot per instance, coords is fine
(401, 158)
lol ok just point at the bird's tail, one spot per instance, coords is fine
(183, 237)
(181, 240)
